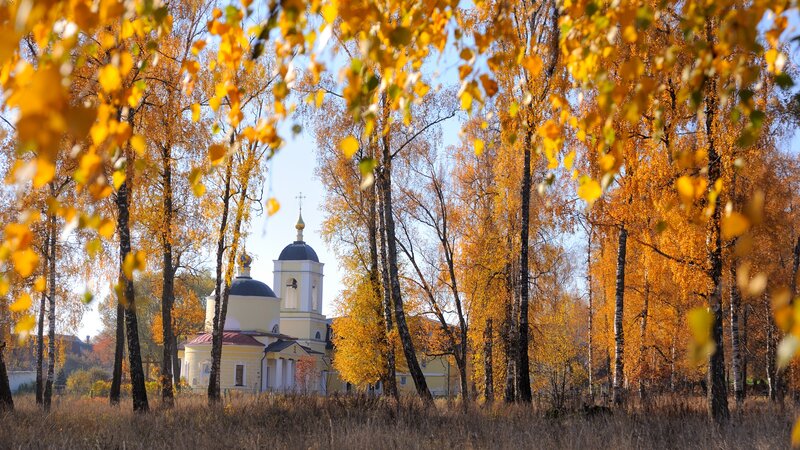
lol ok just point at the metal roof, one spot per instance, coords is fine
(228, 338)
(251, 287)
(298, 251)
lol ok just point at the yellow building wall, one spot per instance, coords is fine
(307, 328)
(249, 356)
(246, 313)
(440, 373)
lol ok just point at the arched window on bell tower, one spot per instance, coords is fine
(291, 296)
(314, 298)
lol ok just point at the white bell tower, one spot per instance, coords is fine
(298, 277)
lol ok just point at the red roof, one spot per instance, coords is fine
(228, 338)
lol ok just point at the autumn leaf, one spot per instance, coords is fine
(685, 189)
(786, 350)
(195, 112)
(273, 206)
(109, 78)
(25, 261)
(701, 346)
(216, 153)
(734, 225)
(589, 190)
(45, 171)
(39, 284)
(24, 326)
(23, 303)
(796, 434)
(349, 146)
(478, 144)
(107, 228)
(533, 64)
(569, 160)
(550, 130)
(466, 101)
(117, 178)
(138, 144)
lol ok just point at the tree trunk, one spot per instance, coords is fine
(51, 316)
(643, 369)
(217, 327)
(772, 372)
(119, 354)
(672, 352)
(619, 333)
(6, 400)
(795, 268)
(40, 332)
(744, 352)
(138, 391)
(176, 363)
(244, 174)
(376, 213)
(394, 278)
(736, 358)
(523, 365)
(168, 278)
(510, 338)
(590, 331)
(717, 387)
(488, 389)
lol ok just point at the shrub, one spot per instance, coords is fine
(100, 388)
(82, 382)
(153, 388)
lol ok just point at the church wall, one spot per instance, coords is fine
(249, 356)
(303, 325)
(247, 313)
(307, 277)
(440, 374)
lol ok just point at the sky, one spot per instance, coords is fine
(293, 171)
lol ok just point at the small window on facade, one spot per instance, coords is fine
(275, 329)
(239, 375)
(403, 380)
(424, 363)
(206, 368)
(317, 336)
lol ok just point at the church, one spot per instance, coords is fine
(279, 340)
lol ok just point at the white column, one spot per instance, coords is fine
(279, 373)
(264, 376)
(290, 373)
(294, 377)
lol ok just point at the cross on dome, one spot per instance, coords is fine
(300, 224)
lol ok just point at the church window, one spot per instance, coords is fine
(275, 329)
(206, 368)
(317, 337)
(239, 375)
(291, 300)
(314, 297)
(403, 380)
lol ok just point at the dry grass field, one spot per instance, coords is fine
(367, 423)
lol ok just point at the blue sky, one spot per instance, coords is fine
(293, 170)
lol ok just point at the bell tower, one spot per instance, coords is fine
(298, 277)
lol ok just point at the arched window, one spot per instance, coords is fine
(317, 336)
(290, 300)
(275, 329)
(314, 297)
